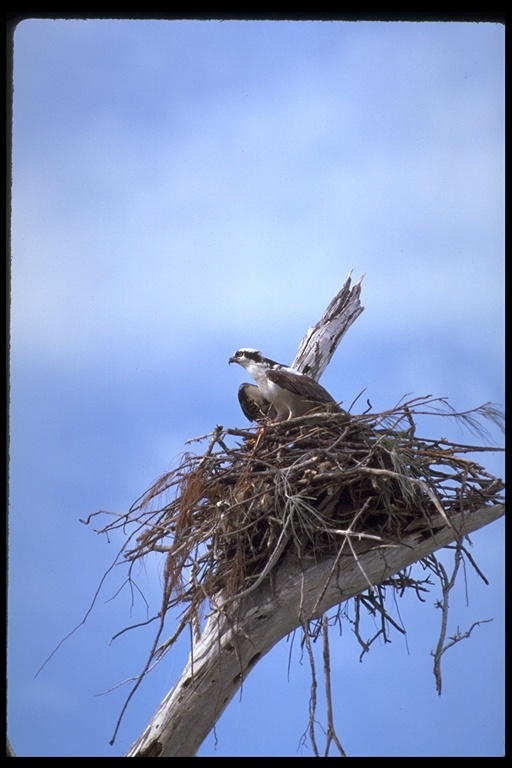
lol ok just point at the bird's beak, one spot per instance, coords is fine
(231, 360)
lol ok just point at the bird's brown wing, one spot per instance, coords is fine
(252, 402)
(303, 386)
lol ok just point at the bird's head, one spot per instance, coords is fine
(246, 356)
(253, 362)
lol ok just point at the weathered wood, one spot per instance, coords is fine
(321, 341)
(230, 646)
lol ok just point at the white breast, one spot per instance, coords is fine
(282, 400)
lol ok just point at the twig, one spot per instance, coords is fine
(331, 731)
(447, 584)
(312, 695)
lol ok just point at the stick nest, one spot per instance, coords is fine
(225, 519)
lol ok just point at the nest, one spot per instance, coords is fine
(306, 486)
(224, 521)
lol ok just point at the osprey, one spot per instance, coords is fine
(281, 392)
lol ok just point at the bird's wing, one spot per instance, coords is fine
(252, 402)
(300, 385)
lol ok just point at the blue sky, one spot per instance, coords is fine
(185, 188)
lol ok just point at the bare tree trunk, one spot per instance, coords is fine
(229, 648)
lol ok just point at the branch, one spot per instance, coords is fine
(447, 584)
(321, 341)
(331, 732)
(231, 645)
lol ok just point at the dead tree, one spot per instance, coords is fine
(295, 518)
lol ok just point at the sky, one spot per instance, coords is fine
(181, 189)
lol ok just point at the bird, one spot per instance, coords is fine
(281, 392)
